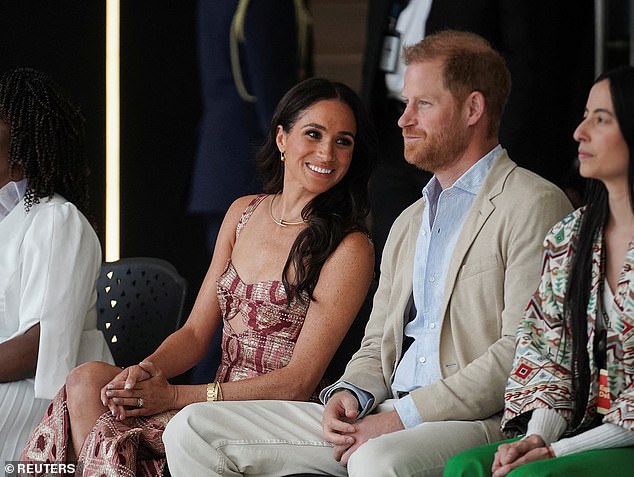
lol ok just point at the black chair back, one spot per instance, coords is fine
(140, 302)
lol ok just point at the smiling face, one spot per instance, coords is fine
(318, 148)
(603, 152)
(433, 131)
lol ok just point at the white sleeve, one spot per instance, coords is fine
(546, 423)
(605, 436)
(61, 257)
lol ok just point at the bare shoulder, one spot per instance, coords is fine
(237, 208)
(351, 264)
(233, 215)
(356, 244)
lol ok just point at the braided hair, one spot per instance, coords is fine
(46, 137)
(336, 212)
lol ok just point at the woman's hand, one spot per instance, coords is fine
(126, 379)
(511, 456)
(140, 384)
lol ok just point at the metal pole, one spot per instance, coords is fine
(599, 36)
(632, 32)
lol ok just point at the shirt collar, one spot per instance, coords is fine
(471, 181)
(10, 196)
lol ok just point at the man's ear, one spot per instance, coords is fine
(474, 107)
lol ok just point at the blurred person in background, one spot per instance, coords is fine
(249, 54)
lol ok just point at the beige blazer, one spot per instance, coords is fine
(493, 273)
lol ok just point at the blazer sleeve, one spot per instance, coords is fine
(372, 366)
(365, 369)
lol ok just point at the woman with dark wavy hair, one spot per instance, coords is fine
(49, 254)
(290, 271)
(571, 388)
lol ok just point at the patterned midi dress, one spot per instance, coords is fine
(133, 447)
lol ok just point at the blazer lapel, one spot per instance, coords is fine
(406, 274)
(480, 212)
(410, 244)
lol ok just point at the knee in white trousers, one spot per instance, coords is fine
(264, 438)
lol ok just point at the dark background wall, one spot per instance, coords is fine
(159, 110)
(160, 107)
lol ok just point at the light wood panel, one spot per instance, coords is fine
(339, 28)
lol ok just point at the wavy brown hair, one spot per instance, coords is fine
(332, 214)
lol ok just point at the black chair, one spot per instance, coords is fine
(140, 302)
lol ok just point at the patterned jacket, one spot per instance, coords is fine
(541, 372)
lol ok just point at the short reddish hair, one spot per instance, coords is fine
(469, 64)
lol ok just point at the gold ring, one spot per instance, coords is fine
(139, 402)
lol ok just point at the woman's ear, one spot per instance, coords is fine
(280, 138)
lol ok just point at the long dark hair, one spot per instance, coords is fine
(594, 219)
(340, 210)
(46, 137)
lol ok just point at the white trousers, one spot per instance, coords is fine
(277, 438)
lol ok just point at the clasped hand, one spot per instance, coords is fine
(342, 429)
(145, 381)
(512, 455)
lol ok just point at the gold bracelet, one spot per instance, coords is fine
(220, 398)
(212, 391)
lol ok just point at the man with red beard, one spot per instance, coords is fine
(458, 269)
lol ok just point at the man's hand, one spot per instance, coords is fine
(511, 456)
(370, 426)
(341, 411)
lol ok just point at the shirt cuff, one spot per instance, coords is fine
(407, 411)
(366, 400)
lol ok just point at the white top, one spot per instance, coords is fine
(50, 258)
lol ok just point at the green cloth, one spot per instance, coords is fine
(477, 462)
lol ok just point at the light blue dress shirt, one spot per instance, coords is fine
(443, 218)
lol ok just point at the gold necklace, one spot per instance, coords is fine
(282, 222)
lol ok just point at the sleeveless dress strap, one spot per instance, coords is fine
(248, 212)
